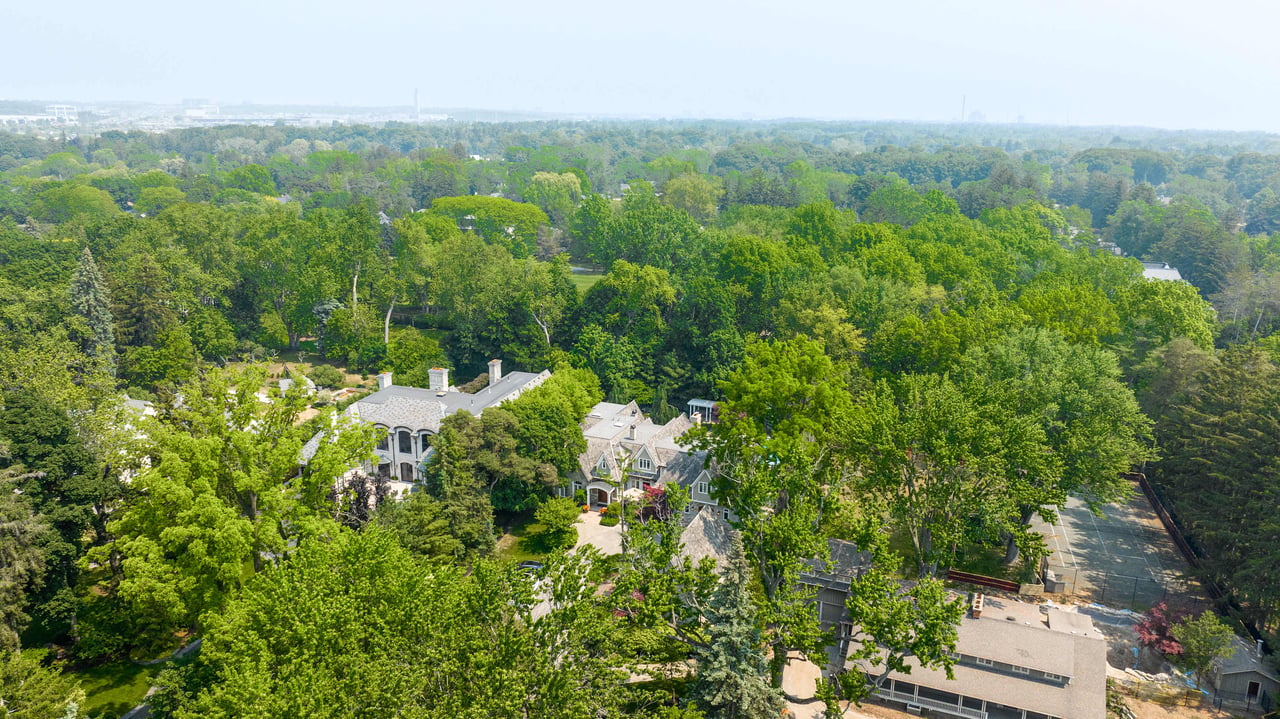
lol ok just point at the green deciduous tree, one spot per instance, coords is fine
(28, 689)
(512, 225)
(223, 497)
(1205, 640)
(299, 641)
(550, 414)
(557, 517)
(419, 524)
(896, 622)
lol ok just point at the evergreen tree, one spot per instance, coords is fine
(1220, 440)
(91, 302)
(733, 674)
(662, 412)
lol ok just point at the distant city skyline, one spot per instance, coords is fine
(1094, 62)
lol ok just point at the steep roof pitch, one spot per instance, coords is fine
(707, 535)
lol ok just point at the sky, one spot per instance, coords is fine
(1171, 64)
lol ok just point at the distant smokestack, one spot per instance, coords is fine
(495, 371)
(438, 379)
(417, 109)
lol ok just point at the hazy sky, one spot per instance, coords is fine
(1173, 63)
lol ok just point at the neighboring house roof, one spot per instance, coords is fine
(1160, 271)
(707, 535)
(1245, 660)
(846, 564)
(420, 409)
(620, 434)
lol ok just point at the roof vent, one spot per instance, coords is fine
(1011, 619)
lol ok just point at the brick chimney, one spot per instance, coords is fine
(438, 379)
(495, 371)
(384, 380)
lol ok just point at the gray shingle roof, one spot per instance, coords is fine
(420, 409)
(620, 433)
(707, 535)
(1081, 656)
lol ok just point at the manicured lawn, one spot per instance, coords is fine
(113, 689)
(514, 543)
(583, 281)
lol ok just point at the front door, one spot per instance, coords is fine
(599, 497)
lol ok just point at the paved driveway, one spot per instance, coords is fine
(607, 539)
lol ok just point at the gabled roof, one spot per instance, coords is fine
(707, 535)
(621, 433)
(1062, 645)
(847, 563)
(1244, 660)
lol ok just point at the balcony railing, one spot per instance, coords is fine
(938, 706)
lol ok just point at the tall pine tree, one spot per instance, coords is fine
(1220, 442)
(733, 674)
(90, 302)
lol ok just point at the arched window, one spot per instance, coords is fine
(383, 443)
(406, 441)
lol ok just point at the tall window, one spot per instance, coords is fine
(406, 442)
(383, 443)
(701, 488)
(644, 464)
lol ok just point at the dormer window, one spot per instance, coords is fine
(644, 464)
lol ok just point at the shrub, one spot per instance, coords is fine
(580, 497)
(327, 376)
(609, 520)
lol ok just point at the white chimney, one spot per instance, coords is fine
(438, 379)
(384, 380)
(495, 371)
(631, 433)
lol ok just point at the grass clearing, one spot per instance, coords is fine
(113, 689)
(584, 280)
(515, 544)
